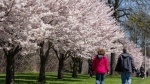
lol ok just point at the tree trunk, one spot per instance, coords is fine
(61, 57)
(74, 74)
(60, 69)
(10, 63)
(112, 63)
(116, 5)
(10, 69)
(42, 71)
(43, 60)
(80, 66)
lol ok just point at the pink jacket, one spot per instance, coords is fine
(100, 65)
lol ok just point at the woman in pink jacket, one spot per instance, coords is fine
(100, 66)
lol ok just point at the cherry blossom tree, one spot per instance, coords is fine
(15, 25)
(13, 20)
(66, 26)
(73, 25)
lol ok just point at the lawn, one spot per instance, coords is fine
(51, 78)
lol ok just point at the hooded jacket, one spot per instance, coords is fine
(125, 63)
(100, 64)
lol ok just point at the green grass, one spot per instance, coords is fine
(51, 78)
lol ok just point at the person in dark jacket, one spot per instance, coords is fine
(142, 71)
(147, 73)
(125, 66)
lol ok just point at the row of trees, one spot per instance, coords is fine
(68, 27)
(134, 16)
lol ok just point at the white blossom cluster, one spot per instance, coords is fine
(78, 25)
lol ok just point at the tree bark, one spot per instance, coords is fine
(42, 71)
(60, 69)
(43, 60)
(116, 5)
(74, 74)
(80, 66)
(112, 63)
(61, 57)
(10, 63)
(10, 69)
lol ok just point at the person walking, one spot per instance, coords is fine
(100, 66)
(142, 71)
(125, 66)
(147, 73)
(137, 73)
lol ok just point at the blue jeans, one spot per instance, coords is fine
(126, 76)
(100, 78)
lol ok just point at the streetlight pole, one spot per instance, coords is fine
(145, 56)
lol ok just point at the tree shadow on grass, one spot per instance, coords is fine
(22, 79)
(31, 78)
(67, 77)
(2, 82)
(2, 79)
(27, 77)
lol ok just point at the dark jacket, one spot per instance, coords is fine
(125, 63)
(142, 69)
